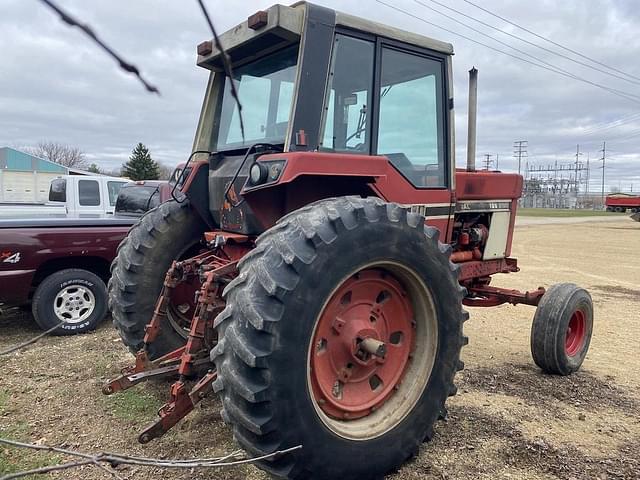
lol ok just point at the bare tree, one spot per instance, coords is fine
(66, 155)
(165, 171)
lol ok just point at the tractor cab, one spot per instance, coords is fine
(336, 89)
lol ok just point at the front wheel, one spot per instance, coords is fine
(74, 296)
(561, 330)
(342, 333)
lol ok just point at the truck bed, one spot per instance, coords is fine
(53, 221)
(31, 248)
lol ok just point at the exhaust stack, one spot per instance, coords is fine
(471, 129)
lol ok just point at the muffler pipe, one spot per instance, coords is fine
(473, 111)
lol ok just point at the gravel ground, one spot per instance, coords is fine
(507, 421)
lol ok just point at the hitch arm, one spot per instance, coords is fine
(487, 296)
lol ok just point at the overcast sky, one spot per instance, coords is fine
(55, 85)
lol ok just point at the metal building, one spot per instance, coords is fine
(25, 178)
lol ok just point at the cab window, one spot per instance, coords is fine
(411, 127)
(347, 123)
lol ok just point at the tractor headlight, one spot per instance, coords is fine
(258, 173)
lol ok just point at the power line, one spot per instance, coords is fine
(549, 40)
(522, 52)
(529, 42)
(624, 95)
(614, 124)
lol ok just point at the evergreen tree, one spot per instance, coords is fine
(93, 168)
(140, 165)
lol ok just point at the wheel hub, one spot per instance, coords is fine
(576, 331)
(362, 345)
(73, 304)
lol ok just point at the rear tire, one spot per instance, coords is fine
(561, 329)
(162, 235)
(268, 349)
(73, 295)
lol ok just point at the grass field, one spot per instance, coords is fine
(564, 212)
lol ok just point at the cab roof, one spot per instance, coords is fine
(280, 25)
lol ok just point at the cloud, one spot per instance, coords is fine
(56, 85)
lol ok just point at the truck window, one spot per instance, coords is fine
(88, 193)
(58, 190)
(113, 188)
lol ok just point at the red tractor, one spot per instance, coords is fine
(333, 245)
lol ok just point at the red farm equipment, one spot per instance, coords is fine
(621, 202)
(332, 246)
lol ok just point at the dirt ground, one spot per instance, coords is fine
(507, 421)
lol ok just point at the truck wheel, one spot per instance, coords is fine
(77, 297)
(620, 209)
(342, 333)
(168, 232)
(561, 330)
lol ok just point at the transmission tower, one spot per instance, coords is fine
(487, 161)
(520, 152)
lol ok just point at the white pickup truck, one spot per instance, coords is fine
(72, 194)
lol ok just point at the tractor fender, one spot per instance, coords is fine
(295, 179)
(283, 168)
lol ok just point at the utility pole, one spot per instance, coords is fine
(603, 158)
(487, 161)
(577, 184)
(519, 151)
(497, 156)
(586, 193)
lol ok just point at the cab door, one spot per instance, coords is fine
(390, 99)
(411, 129)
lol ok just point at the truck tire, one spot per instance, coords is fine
(561, 329)
(75, 296)
(163, 234)
(303, 322)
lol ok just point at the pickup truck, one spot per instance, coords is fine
(60, 265)
(72, 194)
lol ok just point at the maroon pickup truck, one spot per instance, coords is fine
(60, 266)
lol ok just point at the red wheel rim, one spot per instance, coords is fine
(576, 331)
(183, 305)
(348, 379)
